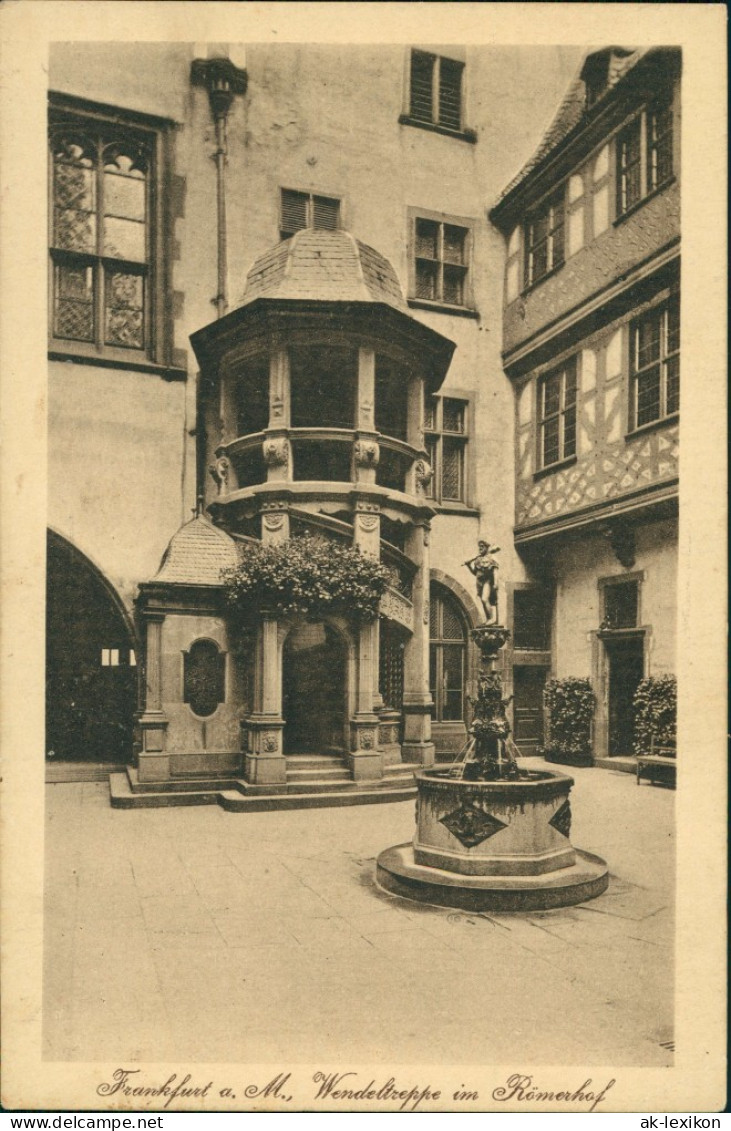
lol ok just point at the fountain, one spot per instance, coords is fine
(489, 835)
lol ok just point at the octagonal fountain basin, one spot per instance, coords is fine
(501, 846)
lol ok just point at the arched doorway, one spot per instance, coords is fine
(314, 690)
(91, 672)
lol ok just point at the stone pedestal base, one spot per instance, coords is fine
(153, 762)
(398, 873)
(265, 769)
(500, 845)
(423, 753)
(365, 765)
(153, 767)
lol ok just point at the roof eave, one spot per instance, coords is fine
(505, 211)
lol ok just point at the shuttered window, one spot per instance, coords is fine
(305, 210)
(435, 92)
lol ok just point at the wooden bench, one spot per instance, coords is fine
(660, 761)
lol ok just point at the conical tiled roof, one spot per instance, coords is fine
(324, 266)
(197, 554)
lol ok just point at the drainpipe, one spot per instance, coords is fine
(223, 80)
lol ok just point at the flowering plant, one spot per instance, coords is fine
(308, 575)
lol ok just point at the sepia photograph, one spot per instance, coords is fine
(363, 614)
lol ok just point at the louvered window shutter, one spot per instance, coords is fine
(294, 212)
(422, 73)
(326, 213)
(450, 94)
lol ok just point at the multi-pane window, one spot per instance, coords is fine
(441, 262)
(531, 620)
(557, 414)
(445, 428)
(545, 239)
(115, 657)
(447, 656)
(655, 364)
(659, 146)
(621, 604)
(629, 167)
(101, 232)
(435, 91)
(652, 134)
(305, 210)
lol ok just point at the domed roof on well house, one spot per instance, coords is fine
(197, 555)
(324, 266)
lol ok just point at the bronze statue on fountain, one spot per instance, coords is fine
(488, 756)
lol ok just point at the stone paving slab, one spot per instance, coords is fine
(204, 935)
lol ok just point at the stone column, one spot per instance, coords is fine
(265, 763)
(419, 473)
(276, 448)
(154, 763)
(229, 425)
(365, 757)
(366, 451)
(279, 396)
(417, 745)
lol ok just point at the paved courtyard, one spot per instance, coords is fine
(203, 935)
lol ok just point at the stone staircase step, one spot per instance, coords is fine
(179, 785)
(123, 797)
(236, 802)
(315, 761)
(318, 773)
(322, 790)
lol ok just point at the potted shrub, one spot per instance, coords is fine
(655, 705)
(570, 706)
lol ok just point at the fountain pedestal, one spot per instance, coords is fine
(500, 844)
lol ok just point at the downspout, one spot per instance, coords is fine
(223, 81)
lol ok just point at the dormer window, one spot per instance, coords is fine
(595, 74)
(601, 70)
